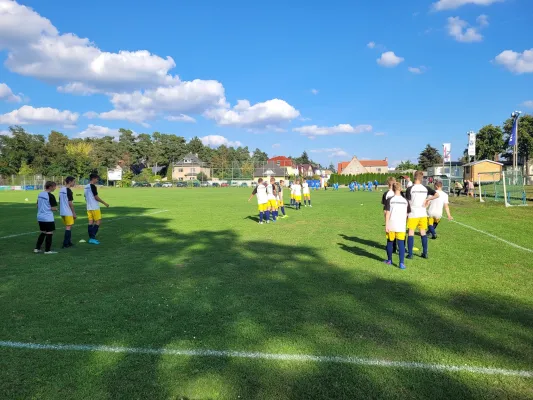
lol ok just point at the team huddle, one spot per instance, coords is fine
(412, 209)
(270, 198)
(47, 204)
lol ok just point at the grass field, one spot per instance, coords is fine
(203, 275)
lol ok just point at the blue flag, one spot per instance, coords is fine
(514, 132)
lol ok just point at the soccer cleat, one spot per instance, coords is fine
(425, 255)
(402, 266)
(410, 256)
(268, 221)
(50, 252)
(37, 251)
(434, 237)
(93, 241)
(310, 206)
(285, 216)
(388, 262)
(261, 223)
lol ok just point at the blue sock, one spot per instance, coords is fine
(90, 231)
(425, 244)
(267, 217)
(431, 230)
(95, 230)
(435, 227)
(309, 201)
(274, 215)
(283, 210)
(260, 216)
(305, 202)
(389, 250)
(410, 244)
(394, 246)
(401, 247)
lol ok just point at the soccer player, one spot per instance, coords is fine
(388, 194)
(272, 200)
(93, 208)
(281, 205)
(306, 193)
(418, 196)
(262, 199)
(46, 205)
(66, 209)
(291, 187)
(435, 210)
(408, 182)
(297, 194)
(397, 209)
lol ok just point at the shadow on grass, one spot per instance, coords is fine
(150, 286)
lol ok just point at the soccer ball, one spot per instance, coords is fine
(26, 199)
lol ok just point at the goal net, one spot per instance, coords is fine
(505, 187)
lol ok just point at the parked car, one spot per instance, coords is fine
(167, 184)
(216, 184)
(204, 184)
(225, 184)
(158, 184)
(196, 184)
(142, 184)
(181, 184)
(244, 184)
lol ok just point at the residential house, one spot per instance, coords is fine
(376, 166)
(341, 166)
(189, 167)
(306, 170)
(280, 161)
(356, 166)
(483, 171)
(269, 171)
(453, 169)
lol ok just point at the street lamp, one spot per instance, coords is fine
(514, 138)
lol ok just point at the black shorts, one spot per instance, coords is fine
(47, 226)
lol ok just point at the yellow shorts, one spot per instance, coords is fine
(392, 236)
(68, 220)
(280, 203)
(94, 215)
(292, 196)
(298, 198)
(432, 220)
(262, 207)
(273, 203)
(420, 223)
(308, 195)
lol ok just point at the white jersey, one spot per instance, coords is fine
(305, 188)
(270, 191)
(261, 192)
(45, 202)
(436, 206)
(297, 189)
(386, 196)
(417, 195)
(399, 209)
(90, 193)
(409, 184)
(65, 195)
(280, 193)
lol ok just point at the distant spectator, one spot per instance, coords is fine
(458, 187)
(471, 188)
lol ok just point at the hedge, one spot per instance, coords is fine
(368, 177)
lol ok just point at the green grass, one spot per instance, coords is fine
(205, 275)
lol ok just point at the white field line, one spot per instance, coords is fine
(106, 220)
(495, 237)
(270, 356)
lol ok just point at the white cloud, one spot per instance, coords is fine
(97, 131)
(270, 113)
(417, 70)
(441, 5)
(137, 116)
(389, 59)
(77, 88)
(7, 94)
(5, 133)
(379, 134)
(180, 118)
(528, 104)
(461, 31)
(28, 115)
(276, 146)
(482, 20)
(519, 63)
(314, 91)
(335, 152)
(36, 48)
(314, 130)
(217, 140)
(371, 45)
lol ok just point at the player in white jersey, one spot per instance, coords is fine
(418, 196)
(408, 182)
(307, 193)
(435, 210)
(297, 194)
(262, 198)
(281, 204)
(66, 209)
(272, 200)
(93, 208)
(46, 205)
(387, 195)
(291, 187)
(397, 209)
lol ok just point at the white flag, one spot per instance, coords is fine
(447, 152)
(472, 144)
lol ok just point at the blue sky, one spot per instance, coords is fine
(372, 79)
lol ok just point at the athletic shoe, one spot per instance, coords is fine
(410, 257)
(285, 216)
(305, 205)
(93, 241)
(402, 266)
(66, 246)
(37, 251)
(424, 255)
(274, 220)
(388, 262)
(261, 223)
(268, 222)
(310, 205)
(50, 252)
(434, 237)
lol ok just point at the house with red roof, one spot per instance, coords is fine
(356, 166)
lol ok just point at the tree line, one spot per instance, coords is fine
(492, 143)
(24, 153)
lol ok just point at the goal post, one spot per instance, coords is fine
(506, 187)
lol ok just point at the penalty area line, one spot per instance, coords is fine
(106, 220)
(270, 356)
(494, 237)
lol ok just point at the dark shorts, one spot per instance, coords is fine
(47, 226)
